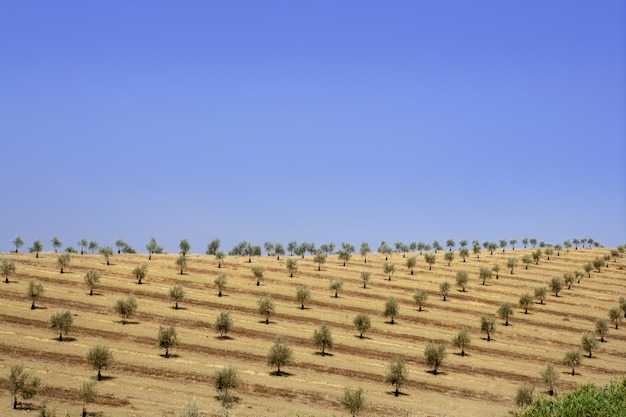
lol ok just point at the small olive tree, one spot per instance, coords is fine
(125, 307)
(34, 292)
(396, 375)
(444, 289)
(505, 311)
(524, 396)
(420, 297)
(487, 325)
(526, 301)
(87, 394)
(391, 308)
(362, 323)
(484, 274)
(99, 357)
(462, 339)
(61, 321)
(615, 315)
(224, 380)
(353, 401)
(107, 252)
(22, 384)
(430, 259)
(335, 285)
(7, 267)
(265, 307)
(181, 261)
(91, 278)
(602, 327)
(140, 273)
(223, 323)
(572, 359)
(220, 282)
(176, 293)
(435, 354)
(411, 262)
(63, 260)
(280, 354)
(167, 339)
(461, 279)
(589, 342)
(322, 338)
(389, 268)
(550, 376)
(258, 272)
(303, 294)
(292, 266)
(365, 276)
(540, 293)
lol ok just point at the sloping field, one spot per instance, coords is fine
(143, 383)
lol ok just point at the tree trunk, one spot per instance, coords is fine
(302, 306)
(335, 294)
(99, 375)
(14, 402)
(176, 306)
(392, 320)
(6, 279)
(318, 267)
(84, 412)
(488, 337)
(91, 291)
(435, 371)
(573, 371)
(150, 257)
(278, 371)
(361, 336)
(108, 262)
(32, 306)
(344, 263)
(551, 391)
(257, 283)
(167, 353)
(61, 269)
(420, 308)
(61, 336)
(291, 275)
(397, 392)
(267, 320)
(462, 352)
(219, 294)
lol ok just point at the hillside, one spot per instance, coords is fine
(143, 383)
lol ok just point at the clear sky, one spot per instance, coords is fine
(322, 121)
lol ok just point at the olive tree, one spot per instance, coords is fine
(7, 267)
(93, 246)
(526, 301)
(36, 247)
(484, 274)
(364, 250)
(17, 242)
(181, 261)
(279, 250)
(524, 396)
(362, 323)
(527, 260)
(107, 252)
(391, 308)
(344, 255)
(568, 279)
(280, 354)
(602, 328)
(335, 285)
(153, 247)
(322, 338)
(487, 325)
(511, 263)
(411, 262)
(56, 243)
(396, 375)
(385, 249)
(176, 293)
(226, 379)
(536, 255)
(223, 323)
(461, 279)
(420, 297)
(540, 293)
(550, 376)
(319, 259)
(125, 307)
(389, 268)
(615, 316)
(589, 342)
(184, 247)
(220, 282)
(140, 272)
(22, 384)
(219, 257)
(430, 259)
(91, 278)
(61, 321)
(505, 311)
(463, 253)
(435, 354)
(365, 276)
(292, 266)
(99, 357)
(167, 339)
(572, 359)
(448, 256)
(265, 307)
(556, 285)
(34, 292)
(588, 267)
(303, 294)
(444, 289)
(87, 394)
(462, 339)
(258, 272)
(63, 260)
(353, 400)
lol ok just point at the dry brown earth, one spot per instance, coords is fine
(143, 383)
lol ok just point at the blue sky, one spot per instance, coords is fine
(321, 121)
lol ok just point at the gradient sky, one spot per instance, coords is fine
(322, 121)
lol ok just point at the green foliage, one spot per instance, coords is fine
(484, 274)
(540, 293)
(511, 263)
(391, 308)
(184, 247)
(7, 267)
(181, 261)
(226, 379)
(505, 311)
(91, 278)
(362, 323)
(435, 354)
(589, 342)
(56, 243)
(463, 253)
(396, 375)
(258, 272)
(213, 247)
(176, 294)
(411, 262)
(93, 246)
(602, 327)
(87, 394)
(462, 339)
(487, 325)
(448, 256)
(63, 260)
(61, 321)
(365, 276)
(615, 315)
(34, 292)
(335, 285)
(353, 400)
(420, 297)
(17, 242)
(444, 289)
(322, 338)
(568, 279)
(303, 293)
(524, 396)
(167, 339)
(36, 247)
(292, 266)
(125, 307)
(461, 278)
(189, 410)
(556, 285)
(99, 357)
(319, 259)
(223, 323)
(586, 401)
(280, 354)
(430, 259)
(364, 250)
(572, 359)
(389, 268)
(107, 252)
(153, 247)
(140, 272)
(220, 282)
(219, 257)
(22, 384)
(526, 301)
(550, 376)
(266, 307)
